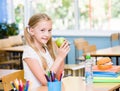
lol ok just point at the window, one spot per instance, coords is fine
(19, 13)
(61, 12)
(99, 14)
(72, 14)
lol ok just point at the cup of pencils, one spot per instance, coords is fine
(54, 84)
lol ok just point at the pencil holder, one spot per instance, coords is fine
(54, 86)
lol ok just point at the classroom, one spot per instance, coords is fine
(45, 45)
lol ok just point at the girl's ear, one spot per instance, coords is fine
(30, 31)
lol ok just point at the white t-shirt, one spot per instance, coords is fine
(28, 75)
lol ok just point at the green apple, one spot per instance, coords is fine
(59, 41)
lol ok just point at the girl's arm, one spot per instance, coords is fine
(62, 52)
(36, 69)
(57, 67)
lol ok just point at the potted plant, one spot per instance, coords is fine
(7, 30)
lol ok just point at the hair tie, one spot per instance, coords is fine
(28, 29)
(27, 26)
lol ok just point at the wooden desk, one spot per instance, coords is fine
(77, 84)
(14, 49)
(18, 49)
(108, 52)
(75, 69)
(4, 72)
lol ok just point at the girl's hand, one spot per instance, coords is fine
(61, 53)
(63, 50)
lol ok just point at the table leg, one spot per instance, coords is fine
(117, 89)
(20, 59)
(21, 63)
(66, 60)
(117, 61)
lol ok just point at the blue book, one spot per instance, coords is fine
(106, 74)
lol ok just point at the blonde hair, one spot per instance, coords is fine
(34, 20)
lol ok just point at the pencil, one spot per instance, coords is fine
(13, 85)
(47, 78)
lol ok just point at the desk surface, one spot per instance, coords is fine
(111, 52)
(4, 72)
(74, 66)
(77, 84)
(108, 52)
(14, 49)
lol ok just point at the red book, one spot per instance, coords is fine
(114, 68)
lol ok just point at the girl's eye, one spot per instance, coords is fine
(42, 30)
(50, 30)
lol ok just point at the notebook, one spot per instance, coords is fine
(106, 79)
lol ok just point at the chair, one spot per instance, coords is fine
(115, 39)
(5, 61)
(16, 40)
(79, 43)
(88, 49)
(11, 77)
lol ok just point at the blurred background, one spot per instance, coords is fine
(94, 20)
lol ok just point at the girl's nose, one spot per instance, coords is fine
(47, 33)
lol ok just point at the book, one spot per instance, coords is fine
(106, 74)
(112, 72)
(106, 79)
(114, 69)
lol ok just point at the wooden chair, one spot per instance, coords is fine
(115, 39)
(11, 77)
(5, 61)
(16, 40)
(88, 49)
(79, 43)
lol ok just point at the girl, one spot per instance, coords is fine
(41, 53)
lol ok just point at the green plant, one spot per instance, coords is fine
(7, 30)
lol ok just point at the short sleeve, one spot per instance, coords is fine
(30, 53)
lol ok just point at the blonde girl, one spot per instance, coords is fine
(41, 53)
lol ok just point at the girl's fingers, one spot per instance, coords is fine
(65, 44)
(65, 47)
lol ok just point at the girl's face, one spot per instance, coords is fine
(42, 32)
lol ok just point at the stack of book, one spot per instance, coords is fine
(110, 75)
